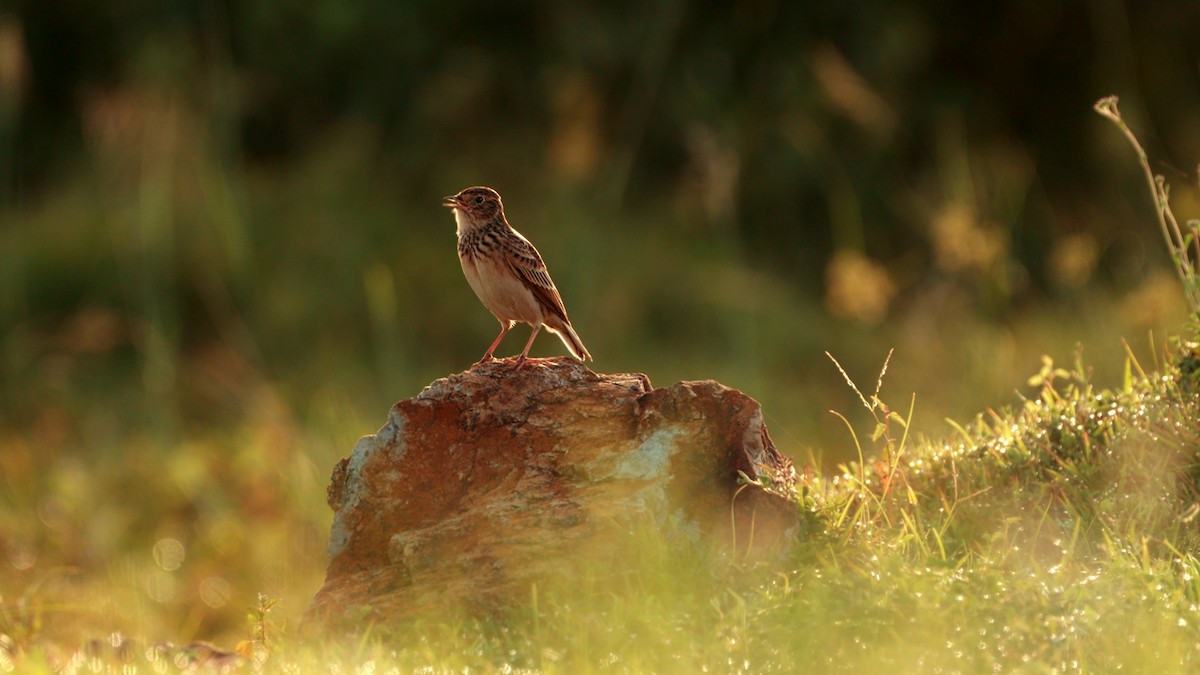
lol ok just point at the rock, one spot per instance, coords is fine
(488, 480)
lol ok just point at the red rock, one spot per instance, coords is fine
(490, 479)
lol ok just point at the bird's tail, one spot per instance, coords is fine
(570, 338)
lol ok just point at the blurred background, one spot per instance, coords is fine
(223, 255)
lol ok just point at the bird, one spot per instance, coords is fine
(507, 273)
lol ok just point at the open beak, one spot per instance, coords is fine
(451, 202)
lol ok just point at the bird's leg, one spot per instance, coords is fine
(525, 353)
(487, 356)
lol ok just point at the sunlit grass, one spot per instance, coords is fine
(189, 346)
(1055, 535)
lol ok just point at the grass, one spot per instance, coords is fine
(1057, 535)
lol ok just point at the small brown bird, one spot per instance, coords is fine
(507, 273)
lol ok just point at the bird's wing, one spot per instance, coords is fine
(524, 259)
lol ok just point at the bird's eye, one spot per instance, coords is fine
(479, 200)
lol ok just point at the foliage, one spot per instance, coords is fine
(199, 200)
(1184, 248)
(220, 249)
(1059, 535)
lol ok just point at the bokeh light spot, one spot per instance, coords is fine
(21, 555)
(215, 592)
(160, 586)
(169, 554)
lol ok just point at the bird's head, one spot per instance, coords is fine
(479, 205)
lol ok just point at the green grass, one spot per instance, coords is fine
(1058, 536)
(176, 382)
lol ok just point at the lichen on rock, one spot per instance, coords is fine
(492, 479)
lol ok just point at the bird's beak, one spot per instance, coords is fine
(451, 202)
